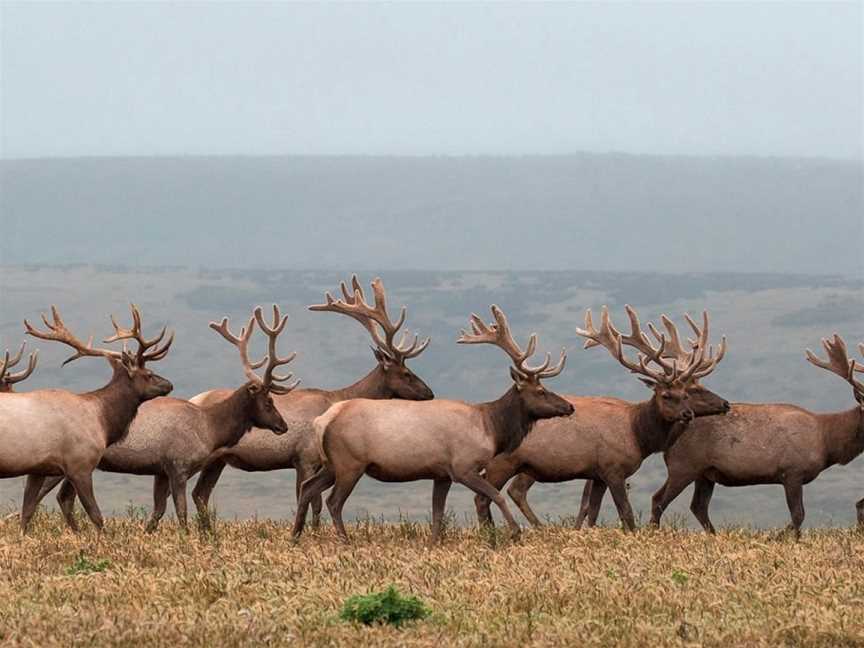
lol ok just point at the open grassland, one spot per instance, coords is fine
(247, 584)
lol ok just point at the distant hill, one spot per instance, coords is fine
(600, 212)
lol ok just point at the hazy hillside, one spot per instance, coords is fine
(602, 212)
(769, 320)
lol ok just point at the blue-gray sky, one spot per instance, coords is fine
(693, 78)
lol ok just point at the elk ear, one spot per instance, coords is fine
(254, 388)
(650, 384)
(127, 361)
(383, 359)
(519, 380)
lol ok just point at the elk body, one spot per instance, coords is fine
(172, 439)
(766, 444)
(260, 450)
(607, 439)
(55, 432)
(441, 440)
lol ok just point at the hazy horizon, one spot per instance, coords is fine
(701, 79)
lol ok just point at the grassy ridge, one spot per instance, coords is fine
(247, 584)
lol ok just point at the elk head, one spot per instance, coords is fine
(399, 381)
(127, 366)
(262, 410)
(840, 364)
(538, 402)
(7, 379)
(678, 394)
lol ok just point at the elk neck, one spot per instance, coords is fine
(118, 404)
(372, 385)
(843, 435)
(508, 420)
(229, 418)
(652, 431)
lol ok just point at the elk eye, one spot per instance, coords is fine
(541, 391)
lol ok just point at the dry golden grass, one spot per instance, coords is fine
(246, 584)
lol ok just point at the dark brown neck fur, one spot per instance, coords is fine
(653, 432)
(369, 386)
(843, 433)
(118, 402)
(230, 418)
(508, 421)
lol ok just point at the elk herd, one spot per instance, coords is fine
(388, 425)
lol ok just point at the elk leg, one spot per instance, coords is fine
(177, 481)
(795, 502)
(66, 501)
(618, 489)
(83, 485)
(663, 497)
(48, 485)
(204, 487)
(583, 504)
(304, 472)
(440, 488)
(702, 491)
(598, 490)
(518, 492)
(498, 471)
(336, 500)
(160, 500)
(859, 507)
(31, 499)
(312, 487)
(482, 487)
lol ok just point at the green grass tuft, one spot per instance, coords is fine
(387, 607)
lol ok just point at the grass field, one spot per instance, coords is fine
(247, 584)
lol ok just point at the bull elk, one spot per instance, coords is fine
(260, 450)
(172, 439)
(55, 432)
(7, 378)
(767, 444)
(607, 439)
(441, 440)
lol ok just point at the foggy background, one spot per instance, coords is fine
(203, 158)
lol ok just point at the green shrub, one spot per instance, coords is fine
(383, 607)
(83, 565)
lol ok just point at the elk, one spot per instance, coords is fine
(441, 440)
(391, 378)
(606, 439)
(172, 439)
(767, 444)
(55, 432)
(8, 379)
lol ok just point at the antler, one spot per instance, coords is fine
(685, 365)
(499, 334)
(58, 332)
(143, 355)
(612, 340)
(840, 363)
(11, 378)
(354, 305)
(273, 359)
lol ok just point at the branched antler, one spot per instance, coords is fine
(6, 377)
(144, 345)
(58, 332)
(272, 360)
(498, 334)
(676, 364)
(840, 363)
(354, 305)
